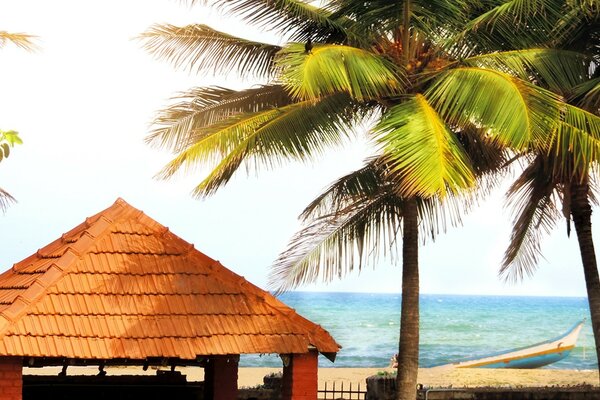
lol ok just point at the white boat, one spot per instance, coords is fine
(533, 356)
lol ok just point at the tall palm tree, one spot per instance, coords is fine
(349, 61)
(555, 184)
(363, 214)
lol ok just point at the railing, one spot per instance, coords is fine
(333, 391)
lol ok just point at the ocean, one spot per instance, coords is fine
(452, 327)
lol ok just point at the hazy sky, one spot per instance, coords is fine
(83, 104)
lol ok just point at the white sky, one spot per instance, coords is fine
(83, 104)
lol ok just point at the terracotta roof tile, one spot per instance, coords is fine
(121, 285)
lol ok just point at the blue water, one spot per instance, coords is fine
(452, 327)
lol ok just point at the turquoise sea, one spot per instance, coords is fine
(452, 327)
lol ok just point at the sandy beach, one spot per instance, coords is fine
(467, 377)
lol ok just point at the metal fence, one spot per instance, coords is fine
(336, 391)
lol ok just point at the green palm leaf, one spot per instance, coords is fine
(330, 69)
(558, 70)
(201, 48)
(297, 131)
(576, 141)
(578, 27)
(587, 95)
(532, 197)
(513, 111)
(176, 127)
(297, 18)
(351, 223)
(513, 24)
(336, 245)
(422, 151)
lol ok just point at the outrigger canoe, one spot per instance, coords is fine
(533, 356)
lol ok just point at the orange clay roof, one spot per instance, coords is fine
(121, 286)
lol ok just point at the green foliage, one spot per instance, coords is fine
(532, 197)
(513, 111)
(297, 18)
(329, 69)
(512, 24)
(555, 69)
(296, 131)
(180, 125)
(7, 140)
(472, 82)
(420, 148)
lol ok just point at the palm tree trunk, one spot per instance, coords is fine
(581, 211)
(408, 351)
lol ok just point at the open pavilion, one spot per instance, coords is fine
(121, 289)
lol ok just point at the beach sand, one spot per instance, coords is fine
(432, 377)
(466, 377)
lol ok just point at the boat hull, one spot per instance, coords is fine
(535, 356)
(536, 361)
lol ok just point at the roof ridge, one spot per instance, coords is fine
(23, 302)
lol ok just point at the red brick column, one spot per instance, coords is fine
(300, 377)
(221, 378)
(11, 378)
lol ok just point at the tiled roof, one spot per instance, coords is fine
(122, 286)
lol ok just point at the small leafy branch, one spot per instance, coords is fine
(7, 140)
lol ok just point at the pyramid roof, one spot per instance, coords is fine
(122, 286)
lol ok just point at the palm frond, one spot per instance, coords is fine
(558, 70)
(513, 24)
(337, 244)
(576, 141)
(420, 149)
(351, 223)
(531, 197)
(578, 27)
(513, 111)
(372, 181)
(21, 40)
(329, 69)
(297, 18)
(297, 131)
(177, 126)
(201, 48)
(587, 95)
(364, 182)
(376, 16)
(5, 200)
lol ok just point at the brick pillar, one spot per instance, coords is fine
(11, 378)
(221, 378)
(300, 377)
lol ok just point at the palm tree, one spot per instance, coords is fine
(375, 59)
(555, 184)
(362, 214)
(9, 138)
